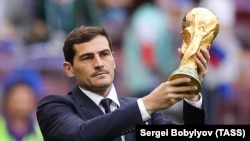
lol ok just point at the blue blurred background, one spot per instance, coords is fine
(145, 34)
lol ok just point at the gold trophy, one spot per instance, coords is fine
(200, 26)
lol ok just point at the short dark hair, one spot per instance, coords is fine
(82, 34)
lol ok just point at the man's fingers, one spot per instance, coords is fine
(182, 96)
(180, 53)
(204, 55)
(183, 89)
(179, 81)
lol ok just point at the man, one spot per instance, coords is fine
(79, 115)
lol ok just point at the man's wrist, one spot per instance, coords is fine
(194, 99)
(197, 104)
(145, 115)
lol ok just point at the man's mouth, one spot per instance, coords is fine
(100, 73)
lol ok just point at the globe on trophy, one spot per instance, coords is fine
(200, 26)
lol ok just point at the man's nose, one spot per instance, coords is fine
(98, 62)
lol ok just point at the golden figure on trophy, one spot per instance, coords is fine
(200, 26)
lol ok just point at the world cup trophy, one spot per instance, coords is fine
(200, 26)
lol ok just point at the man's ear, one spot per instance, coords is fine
(68, 69)
(114, 59)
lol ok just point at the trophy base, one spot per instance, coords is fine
(187, 72)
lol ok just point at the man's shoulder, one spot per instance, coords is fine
(56, 98)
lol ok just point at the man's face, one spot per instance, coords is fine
(93, 66)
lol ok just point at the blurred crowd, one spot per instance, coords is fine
(145, 34)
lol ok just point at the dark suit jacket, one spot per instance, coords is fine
(75, 117)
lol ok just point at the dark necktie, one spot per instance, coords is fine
(106, 104)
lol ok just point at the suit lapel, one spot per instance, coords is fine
(86, 105)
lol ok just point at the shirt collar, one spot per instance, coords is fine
(96, 98)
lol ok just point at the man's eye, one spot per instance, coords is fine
(105, 53)
(86, 58)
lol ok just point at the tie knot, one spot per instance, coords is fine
(106, 104)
